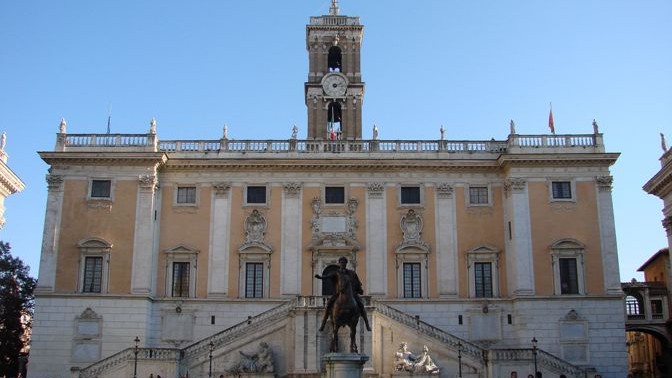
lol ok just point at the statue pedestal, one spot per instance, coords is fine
(344, 365)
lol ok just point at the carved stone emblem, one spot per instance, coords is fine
(444, 190)
(260, 362)
(411, 226)
(255, 227)
(375, 189)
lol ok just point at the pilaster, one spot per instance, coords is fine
(290, 251)
(220, 229)
(376, 240)
(520, 258)
(50, 235)
(143, 246)
(605, 208)
(446, 241)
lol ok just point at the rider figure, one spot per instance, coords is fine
(357, 286)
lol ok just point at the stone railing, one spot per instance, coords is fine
(468, 348)
(334, 20)
(246, 327)
(126, 356)
(545, 360)
(321, 301)
(149, 142)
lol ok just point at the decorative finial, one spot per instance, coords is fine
(61, 127)
(3, 140)
(225, 132)
(295, 131)
(375, 132)
(334, 8)
(512, 128)
(442, 130)
(152, 126)
(596, 129)
(663, 142)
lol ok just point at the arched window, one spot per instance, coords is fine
(94, 265)
(632, 306)
(568, 274)
(328, 285)
(334, 59)
(334, 125)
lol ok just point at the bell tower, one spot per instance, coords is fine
(334, 90)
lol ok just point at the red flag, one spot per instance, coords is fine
(550, 122)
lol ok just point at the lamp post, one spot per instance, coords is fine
(212, 346)
(135, 352)
(459, 358)
(534, 354)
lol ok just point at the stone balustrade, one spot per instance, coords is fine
(128, 355)
(570, 143)
(545, 361)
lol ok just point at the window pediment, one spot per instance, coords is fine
(181, 249)
(92, 245)
(564, 244)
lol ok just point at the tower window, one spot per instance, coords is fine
(334, 121)
(334, 59)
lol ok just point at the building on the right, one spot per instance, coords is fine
(648, 325)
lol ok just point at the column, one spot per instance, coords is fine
(376, 240)
(446, 241)
(605, 208)
(143, 245)
(290, 250)
(50, 236)
(519, 258)
(220, 228)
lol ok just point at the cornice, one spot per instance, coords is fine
(661, 183)
(9, 180)
(103, 157)
(548, 159)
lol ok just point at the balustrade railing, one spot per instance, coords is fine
(126, 355)
(544, 359)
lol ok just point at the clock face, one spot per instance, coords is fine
(334, 85)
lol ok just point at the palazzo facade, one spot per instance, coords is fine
(199, 249)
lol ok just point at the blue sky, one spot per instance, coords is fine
(470, 66)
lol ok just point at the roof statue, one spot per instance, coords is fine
(443, 132)
(596, 128)
(152, 126)
(61, 126)
(375, 132)
(3, 140)
(663, 142)
(334, 8)
(512, 127)
(225, 132)
(295, 132)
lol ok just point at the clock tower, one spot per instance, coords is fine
(334, 90)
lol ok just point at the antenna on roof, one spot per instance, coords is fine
(109, 118)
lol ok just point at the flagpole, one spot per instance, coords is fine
(551, 123)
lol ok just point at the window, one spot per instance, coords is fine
(181, 271)
(483, 271)
(334, 59)
(334, 118)
(483, 279)
(256, 195)
(186, 195)
(180, 279)
(569, 280)
(561, 189)
(412, 280)
(568, 275)
(254, 280)
(478, 195)
(94, 255)
(93, 274)
(334, 195)
(410, 195)
(632, 306)
(101, 188)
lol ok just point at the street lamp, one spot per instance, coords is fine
(459, 358)
(534, 354)
(212, 346)
(135, 351)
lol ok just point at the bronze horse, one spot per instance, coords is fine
(345, 311)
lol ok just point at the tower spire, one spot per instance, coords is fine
(334, 8)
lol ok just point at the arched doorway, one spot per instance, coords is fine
(648, 353)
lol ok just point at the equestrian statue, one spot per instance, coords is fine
(345, 307)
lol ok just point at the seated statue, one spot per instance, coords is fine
(424, 363)
(260, 362)
(403, 359)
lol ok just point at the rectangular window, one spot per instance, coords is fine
(483, 279)
(101, 188)
(478, 195)
(186, 194)
(410, 195)
(334, 194)
(569, 279)
(256, 194)
(562, 190)
(180, 279)
(93, 274)
(412, 280)
(254, 280)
